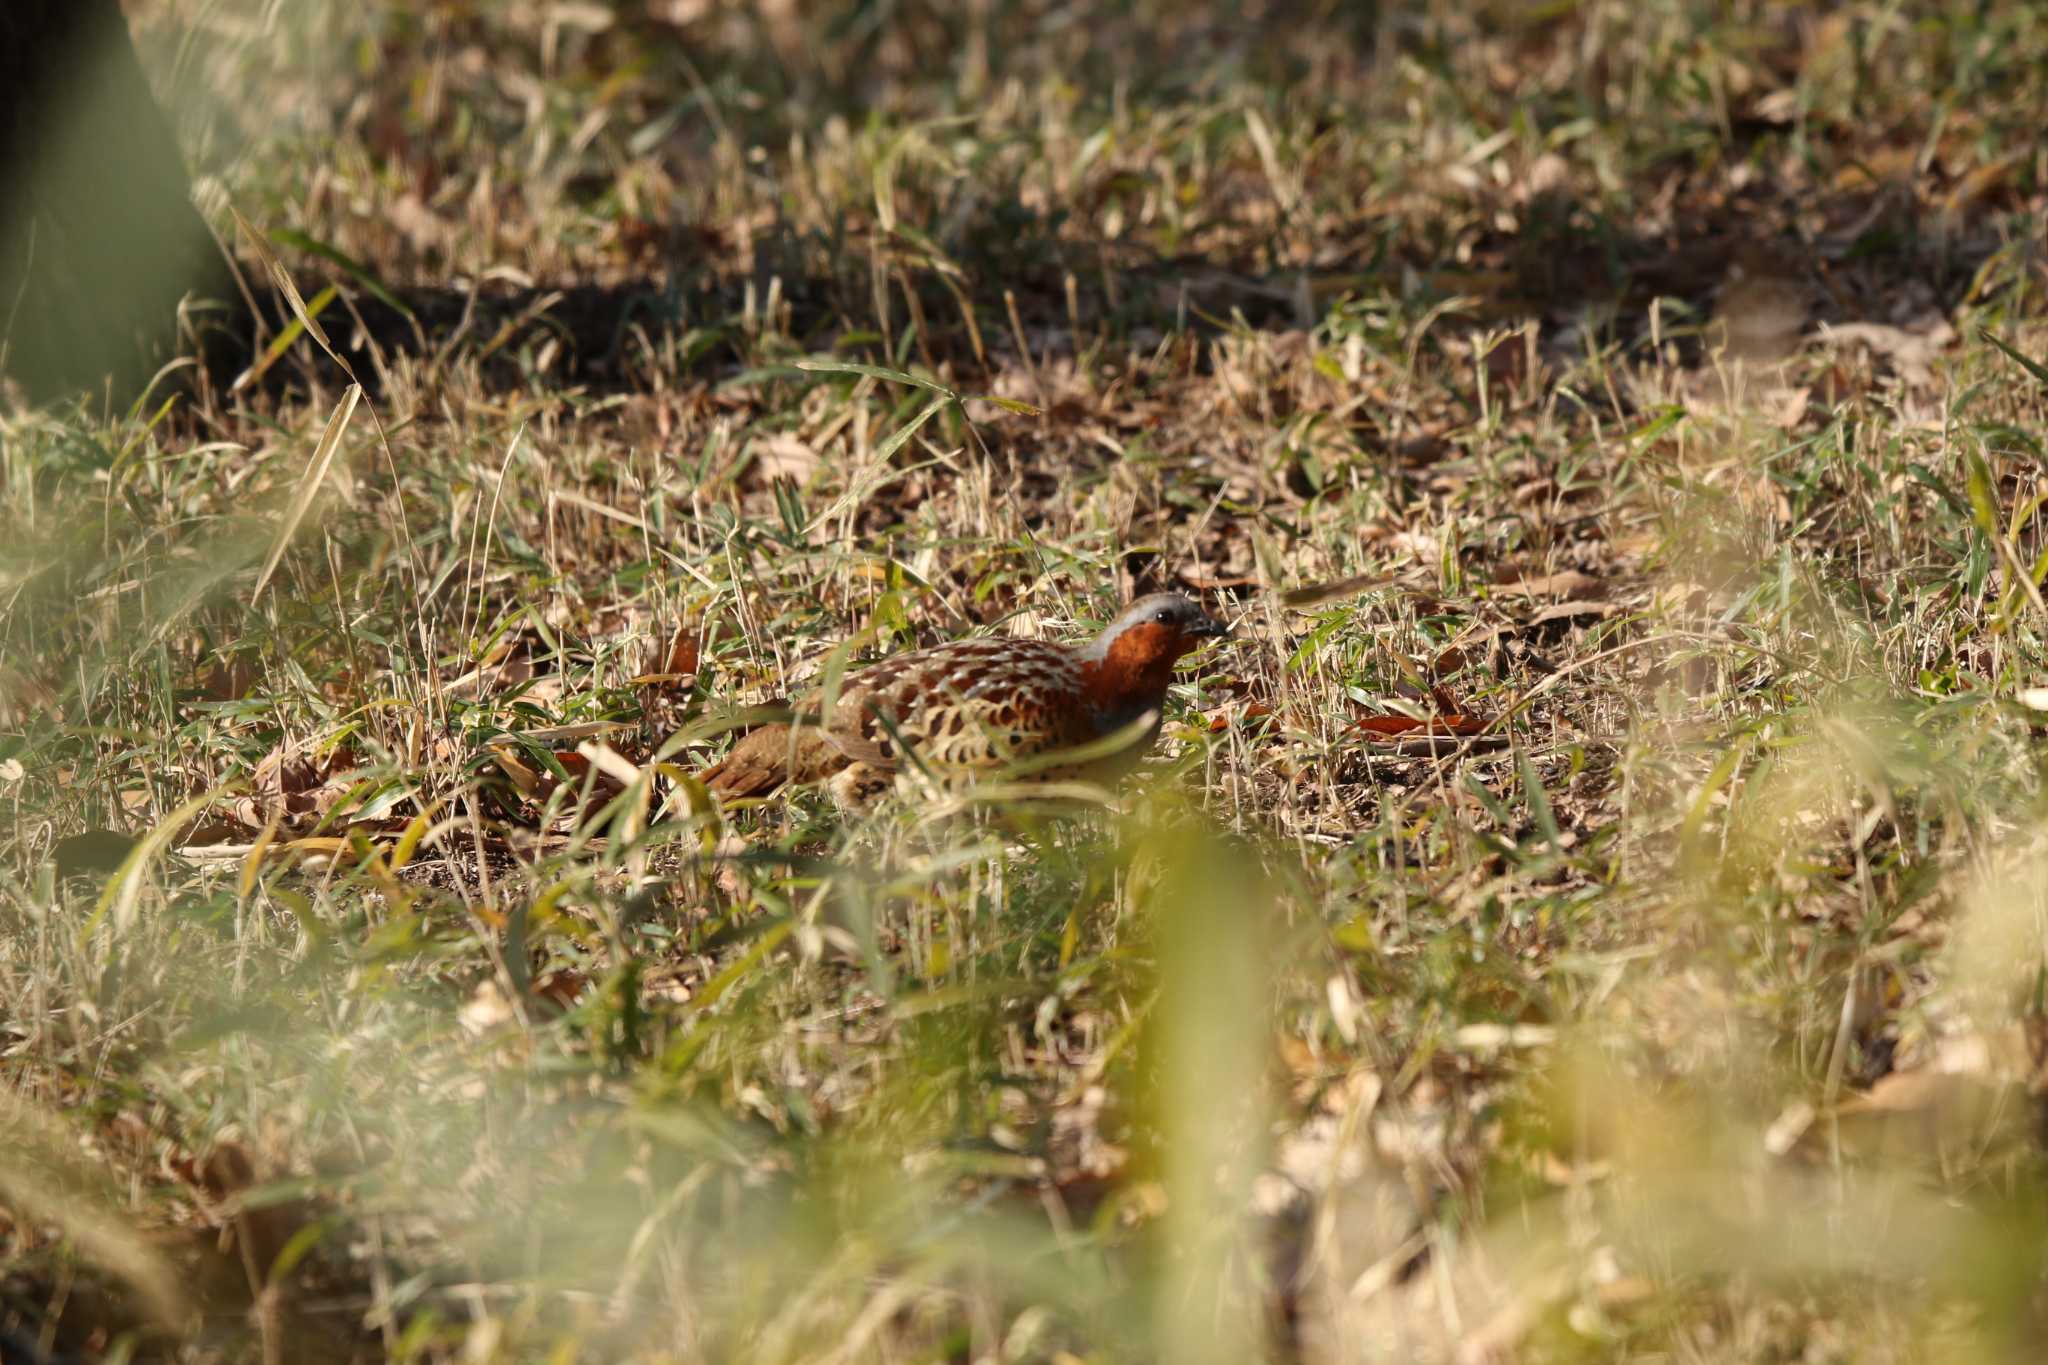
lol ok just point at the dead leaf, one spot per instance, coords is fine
(538, 784)
(1452, 659)
(1224, 717)
(1392, 727)
(503, 671)
(1564, 583)
(1577, 612)
(783, 456)
(524, 777)
(295, 786)
(1982, 181)
(1228, 581)
(1791, 1125)
(1497, 1037)
(1967, 1096)
(684, 648)
(1547, 174)
(1311, 595)
(728, 878)
(485, 1011)
(1912, 353)
(675, 667)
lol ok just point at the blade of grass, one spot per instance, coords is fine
(124, 888)
(874, 372)
(309, 487)
(2032, 367)
(900, 437)
(259, 244)
(357, 271)
(291, 332)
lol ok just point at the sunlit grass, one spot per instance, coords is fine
(1693, 1010)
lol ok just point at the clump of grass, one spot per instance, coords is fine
(1682, 1000)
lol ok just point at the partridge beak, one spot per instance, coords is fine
(1210, 629)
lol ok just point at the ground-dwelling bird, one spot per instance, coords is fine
(981, 708)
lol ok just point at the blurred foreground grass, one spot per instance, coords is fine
(1646, 364)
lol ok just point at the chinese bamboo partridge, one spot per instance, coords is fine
(980, 707)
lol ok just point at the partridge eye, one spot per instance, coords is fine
(1163, 616)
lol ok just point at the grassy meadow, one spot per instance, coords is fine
(1595, 909)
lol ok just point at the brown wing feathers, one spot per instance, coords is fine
(916, 698)
(766, 758)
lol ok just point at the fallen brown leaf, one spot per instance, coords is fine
(1912, 354)
(1580, 612)
(1224, 717)
(295, 786)
(1564, 583)
(1392, 727)
(1316, 594)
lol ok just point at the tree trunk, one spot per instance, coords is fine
(99, 240)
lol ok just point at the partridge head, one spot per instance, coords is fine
(978, 707)
(1127, 668)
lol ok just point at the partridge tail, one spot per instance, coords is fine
(767, 758)
(757, 765)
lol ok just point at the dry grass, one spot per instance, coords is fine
(1641, 364)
